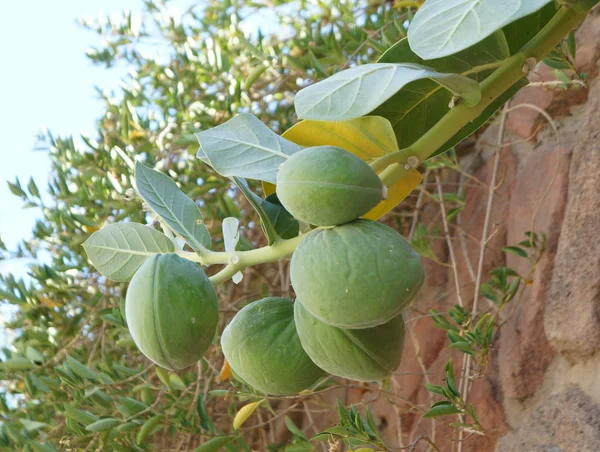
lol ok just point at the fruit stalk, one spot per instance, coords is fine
(238, 260)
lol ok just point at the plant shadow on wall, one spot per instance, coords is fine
(133, 358)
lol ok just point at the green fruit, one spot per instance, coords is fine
(326, 185)
(263, 348)
(357, 275)
(366, 355)
(172, 311)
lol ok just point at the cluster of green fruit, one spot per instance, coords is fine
(352, 278)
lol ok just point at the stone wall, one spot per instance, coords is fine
(541, 391)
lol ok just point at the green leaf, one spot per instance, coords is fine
(83, 417)
(515, 250)
(359, 90)
(205, 421)
(132, 405)
(294, 429)
(441, 409)
(450, 379)
(149, 427)
(80, 369)
(16, 363)
(445, 27)
(434, 388)
(245, 147)
(215, 444)
(285, 224)
(32, 426)
(119, 249)
(103, 425)
(37, 447)
(163, 376)
(462, 346)
(274, 219)
(416, 108)
(177, 210)
(520, 32)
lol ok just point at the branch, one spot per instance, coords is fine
(510, 72)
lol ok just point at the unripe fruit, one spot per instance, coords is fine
(357, 275)
(262, 347)
(326, 185)
(368, 354)
(172, 311)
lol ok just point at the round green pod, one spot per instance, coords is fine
(368, 354)
(327, 185)
(172, 311)
(357, 275)
(262, 347)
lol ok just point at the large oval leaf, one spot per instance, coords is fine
(359, 90)
(244, 147)
(119, 249)
(178, 211)
(445, 27)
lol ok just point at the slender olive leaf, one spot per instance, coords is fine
(127, 426)
(462, 346)
(205, 422)
(231, 237)
(442, 410)
(119, 249)
(415, 108)
(359, 90)
(245, 147)
(16, 363)
(215, 444)
(80, 369)
(445, 27)
(244, 413)
(103, 424)
(37, 447)
(520, 32)
(134, 406)
(294, 428)
(450, 379)
(515, 250)
(434, 388)
(149, 427)
(177, 210)
(32, 426)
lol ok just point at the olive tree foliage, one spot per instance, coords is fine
(72, 378)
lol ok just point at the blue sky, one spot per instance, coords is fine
(46, 80)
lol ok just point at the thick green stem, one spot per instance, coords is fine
(238, 260)
(513, 69)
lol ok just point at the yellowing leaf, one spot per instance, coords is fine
(268, 188)
(367, 137)
(396, 194)
(176, 381)
(225, 373)
(48, 302)
(244, 413)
